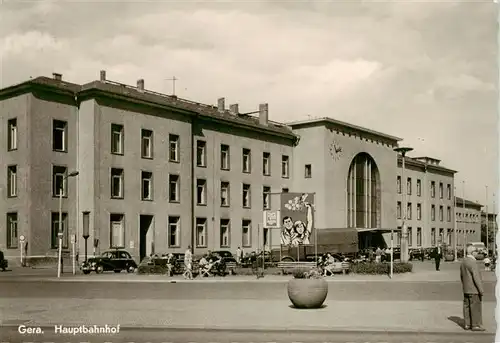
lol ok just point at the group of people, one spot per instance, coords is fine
(326, 264)
(206, 264)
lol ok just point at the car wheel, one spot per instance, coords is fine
(99, 270)
(130, 269)
(86, 272)
(287, 259)
(117, 271)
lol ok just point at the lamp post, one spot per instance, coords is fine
(404, 234)
(86, 234)
(60, 231)
(455, 239)
(487, 223)
(463, 216)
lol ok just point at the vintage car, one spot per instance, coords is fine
(227, 256)
(115, 260)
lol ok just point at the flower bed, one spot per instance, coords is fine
(381, 268)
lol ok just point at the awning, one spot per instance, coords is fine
(377, 229)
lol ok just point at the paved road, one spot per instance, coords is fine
(346, 291)
(12, 335)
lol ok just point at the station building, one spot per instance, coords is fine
(157, 173)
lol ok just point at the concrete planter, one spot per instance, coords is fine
(307, 293)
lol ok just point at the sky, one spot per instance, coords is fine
(423, 71)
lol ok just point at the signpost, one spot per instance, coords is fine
(73, 241)
(86, 235)
(22, 239)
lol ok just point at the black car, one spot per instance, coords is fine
(227, 256)
(115, 260)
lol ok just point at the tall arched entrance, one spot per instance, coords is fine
(363, 193)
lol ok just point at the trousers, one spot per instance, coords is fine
(438, 262)
(473, 315)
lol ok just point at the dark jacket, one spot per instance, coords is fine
(436, 253)
(471, 277)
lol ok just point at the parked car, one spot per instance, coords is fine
(227, 256)
(115, 260)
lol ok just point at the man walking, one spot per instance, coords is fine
(438, 255)
(473, 291)
(188, 264)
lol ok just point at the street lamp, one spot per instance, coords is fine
(86, 234)
(404, 233)
(60, 231)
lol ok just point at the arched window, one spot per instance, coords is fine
(363, 193)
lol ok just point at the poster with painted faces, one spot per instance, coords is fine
(297, 216)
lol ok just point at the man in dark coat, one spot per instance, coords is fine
(472, 286)
(438, 255)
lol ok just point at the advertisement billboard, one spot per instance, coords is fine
(297, 218)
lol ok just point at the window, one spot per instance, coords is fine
(55, 230)
(201, 232)
(441, 235)
(307, 171)
(224, 157)
(246, 195)
(117, 230)
(146, 143)
(399, 184)
(266, 197)
(448, 236)
(117, 183)
(448, 213)
(117, 139)
(448, 191)
(266, 164)
(408, 211)
(285, 166)
(419, 211)
(441, 213)
(59, 135)
(433, 212)
(12, 233)
(12, 181)
(201, 192)
(173, 142)
(246, 233)
(408, 186)
(147, 185)
(419, 187)
(224, 194)
(410, 237)
(284, 190)
(398, 236)
(433, 189)
(173, 231)
(201, 153)
(433, 236)
(440, 190)
(12, 134)
(224, 233)
(59, 181)
(419, 236)
(398, 210)
(247, 161)
(174, 188)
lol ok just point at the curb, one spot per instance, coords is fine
(345, 330)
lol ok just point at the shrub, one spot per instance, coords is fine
(151, 269)
(41, 261)
(305, 273)
(381, 268)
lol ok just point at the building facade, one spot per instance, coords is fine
(157, 173)
(468, 221)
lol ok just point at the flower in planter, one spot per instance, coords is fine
(305, 273)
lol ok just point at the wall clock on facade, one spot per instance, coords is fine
(335, 150)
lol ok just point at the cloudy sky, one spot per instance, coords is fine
(426, 72)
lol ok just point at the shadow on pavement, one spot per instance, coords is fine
(457, 320)
(308, 309)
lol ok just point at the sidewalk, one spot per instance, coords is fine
(339, 315)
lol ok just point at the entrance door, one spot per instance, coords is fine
(145, 235)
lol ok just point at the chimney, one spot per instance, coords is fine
(103, 75)
(263, 114)
(234, 109)
(57, 76)
(140, 84)
(221, 106)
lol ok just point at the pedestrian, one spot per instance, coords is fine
(438, 255)
(238, 256)
(472, 286)
(188, 264)
(378, 255)
(422, 255)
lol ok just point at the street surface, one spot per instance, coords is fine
(347, 291)
(208, 336)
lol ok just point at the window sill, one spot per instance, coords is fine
(266, 174)
(147, 157)
(12, 196)
(12, 149)
(174, 201)
(57, 196)
(174, 161)
(117, 198)
(201, 246)
(147, 199)
(12, 247)
(199, 204)
(174, 246)
(225, 206)
(116, 247)
(63, 151)
(225, 169)
(247, 207)
(285, 177)
(117, 153)
(246, 171)
(201, 166)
